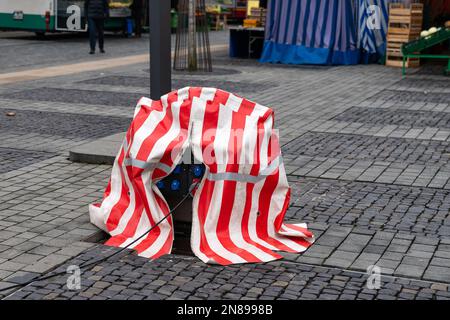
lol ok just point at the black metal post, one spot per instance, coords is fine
(160, 53)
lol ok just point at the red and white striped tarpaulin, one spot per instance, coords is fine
(238, 207)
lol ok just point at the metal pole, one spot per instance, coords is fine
(192, 32)
(160, 53)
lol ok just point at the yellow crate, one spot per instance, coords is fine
(250, 23)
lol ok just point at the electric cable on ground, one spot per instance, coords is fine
(21, 285)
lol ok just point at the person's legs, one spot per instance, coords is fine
(92, 34)
(100, 24)
(138, 26)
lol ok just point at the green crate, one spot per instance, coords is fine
(413, 48)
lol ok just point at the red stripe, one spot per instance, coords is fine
(124, 201)
(155, 233)
(299, 239)
(132, 224)
(210, 123)
(107, 190)
(166, 248)
(268, 190)
(204, 202)
(245, 223)
(265, 197)
(280, 217)
(236, 141)
(249, 192)
(141, 198)
(159, 131)
(184, 116)
(229, 187)
(140, 118)
(223, 224)
(129, 231)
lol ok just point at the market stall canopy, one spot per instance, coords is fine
(310, 32)
(326, 32)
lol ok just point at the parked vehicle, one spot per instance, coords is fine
(41, 16)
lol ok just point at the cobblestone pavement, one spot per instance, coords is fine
(367, 155)
(177, 83)
(418, 119)
(363, 147)
(67, 125)
(378, 207)
(409, 95)
(23, 50)
(180, 277)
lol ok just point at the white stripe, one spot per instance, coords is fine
(197, 115)
(222, 136)
(126, 216)
(147, 129)
(253, 216)
(254, 196)
(220, 148)
(285, 230)
(142, 227)
(248, 138)
(160, 147)
(235, 225)
(195, 229)
(263, 155)
(211, 226)
(99, 216)
(157, 214)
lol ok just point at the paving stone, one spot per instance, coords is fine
(21, 277)
(395, 116)
(438, 273)
(13, 159)
(411, 96)
(369, 148)
(177, 83)
(379, 207)
(410, 270)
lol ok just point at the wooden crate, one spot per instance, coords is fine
(396, 60)
(405, 24)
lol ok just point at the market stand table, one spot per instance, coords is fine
(246, 42)
(412, 49)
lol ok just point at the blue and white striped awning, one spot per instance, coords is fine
(310, 32)
(326, 31)
(373, 17)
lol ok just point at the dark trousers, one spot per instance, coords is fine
(96, 26)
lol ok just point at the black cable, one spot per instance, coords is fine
(21, 285)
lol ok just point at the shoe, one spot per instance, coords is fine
(91, 52)
(102, 51)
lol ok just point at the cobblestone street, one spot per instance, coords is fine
(367, 155)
